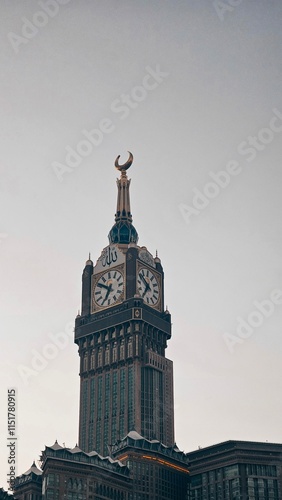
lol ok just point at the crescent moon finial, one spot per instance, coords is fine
(126, 165)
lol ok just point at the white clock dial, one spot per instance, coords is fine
(108, 288)
(148, 286)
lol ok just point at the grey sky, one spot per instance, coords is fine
(218, 85)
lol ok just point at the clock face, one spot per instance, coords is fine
(108, 288)
(148, 286)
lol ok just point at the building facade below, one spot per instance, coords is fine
(236, 470)
(140, 470)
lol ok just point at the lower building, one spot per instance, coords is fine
(76, 475)
(140, 470)
(158, 472)
(72, 474)
(148, 470)
(28, 486)
(4, 495)
(236, 470)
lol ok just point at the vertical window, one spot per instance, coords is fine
(122, 403)
(84, 412)
(107, 395)
(131, 398)
(121, 352)
(107, 355)
(100, 396)
(99, 413)
(100, 356)
(114, 352)
(92, 360)
(114, 407)
(91, 415)
(137, 345)
(129, 348)
(50, 479)
(85, 362)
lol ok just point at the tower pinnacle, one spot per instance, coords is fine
(123, 231)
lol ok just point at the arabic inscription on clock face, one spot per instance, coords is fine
(111, 256)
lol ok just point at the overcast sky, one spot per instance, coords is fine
(192, 88)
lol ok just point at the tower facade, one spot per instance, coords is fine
(126, 381)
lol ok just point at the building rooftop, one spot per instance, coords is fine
(76, 454)
(33, 470)
(134, 440)
(233, 444)
(231, 452)
(32, 474)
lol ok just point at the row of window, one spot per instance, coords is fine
(217, 475)
(110, 354)
(261, 470)
(255, 488)
(107, 336)
(76, 489)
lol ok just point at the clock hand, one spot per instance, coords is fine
(146, 289)
(145, 283)
(108, 292)
(147, 286)
(101, 285)
(143, 279)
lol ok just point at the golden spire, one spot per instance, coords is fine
(123, 231)
(123, 200)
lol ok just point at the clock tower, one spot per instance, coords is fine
(126, 381)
